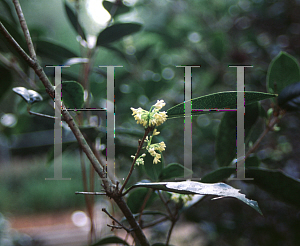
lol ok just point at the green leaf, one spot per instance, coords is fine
(137, 197)
(116, 8)
(10, 11)
(30, 96)
(220, 100)
(289, 97)
(6, 46)
(283, 71)
(6, 80)
(116, 32)
(277, 183)
(218, 175)
(74, 21)
(51, 50)
(72, 94)
(252, 161)
(110, 240)
(173, 170)
(191, 187)
(226, 136)
(153, 170)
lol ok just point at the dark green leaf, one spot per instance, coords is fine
(218, 175)
(116, 8)
(283, 71)
(137, 197)
(6, 46)
(220, 100)
(252, 161)
(277, 183)
(6, 80)
(10, 12)
(110, 240)
(74, 21)
(173, 170)
(116, 32)
(289, 97)
(51, 50)
(151, 169)
(29, 96)
(191, 187)
(226, 136)
(72, 94)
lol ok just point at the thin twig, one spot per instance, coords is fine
(269, 127)
(144, 204)
(135, 158)
(170, 232)
(89, 193)
(114, 219)
(155, 222)
(25, 29)
(165, 203)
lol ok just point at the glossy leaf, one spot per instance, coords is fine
(30, 96)
(173, 170)
(116, 32)
(220, 100)
(226, 136)
(72, 94)
(110, 240)
(277, 183)
(54, 51)
(191, 187)
(137, 197)
(74, 21)
(283, 71)
(116, 8)
(289, 97)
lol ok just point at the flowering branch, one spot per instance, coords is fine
(136, 157)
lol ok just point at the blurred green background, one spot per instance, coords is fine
(210, 33)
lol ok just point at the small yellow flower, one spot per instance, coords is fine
(156, 158)
(159, 104)
(155, 132)
(161, 146)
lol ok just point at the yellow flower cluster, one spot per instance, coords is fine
(140, 160)
(181, 198)
(152, 117)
